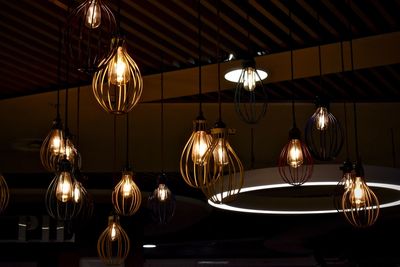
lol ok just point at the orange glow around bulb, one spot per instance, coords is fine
(64, 189)
(295, 154)
(162, 192)
(93, 15)
(201, 143)
(322, 121)
(249, 79)
(127, 186)
(357, 193)
(220, 153)
(118, 71)
(77, 193)
(56, 143)
(114, 234)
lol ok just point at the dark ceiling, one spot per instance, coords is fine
(29, 32)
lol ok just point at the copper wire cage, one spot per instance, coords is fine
(52, 146)
(113, 244)
(87, 35)
(298, 172)
(324, 134)
(192, 165)
(126, 196)
(162, 202)
(224, 170)
(117, 85)
(4, 194)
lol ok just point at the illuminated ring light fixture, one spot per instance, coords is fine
(276, 197)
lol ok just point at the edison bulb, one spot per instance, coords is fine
(93, 15)
(118, 73)
(77, 192)
(357, 193)
(127, 186)
(56, 142)
(201, 142)
(220, 153)
(249, 79)
(162, 192)
(64, 189)
(347, 180)
(295, 154)
(321, 118)
(113, 233)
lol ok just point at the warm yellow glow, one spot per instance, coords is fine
(93, 15)
(56, 142)
(162, 192)
(127, 187)
(64, 189)
(68, 149)
(249, 79)
(220, 153)
(322, 121)
(295, 153)
(118, 73)
(357, 193)
(201, 142)
(348, 181)
(77, 192)
(114, 233)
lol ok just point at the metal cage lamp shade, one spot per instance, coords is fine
(295, 163)
(81, 194)
(250, 95)
(192, 159)
(162, 202)
(126, 196)
(113, 244)
(323, 133)
(344, 183)
(360, 205)
(117, 85)
(4, 194)
(87, 34)
(52, 146)
(224, 170)
(63, 199)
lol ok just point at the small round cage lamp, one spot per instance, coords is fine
(162, 202)
(87, 35)
(63, 199)
(126, 196)
(224, 170)
(113, 244)
(53, 146)
(117, 85)
(360, 205)
(4, 194)
(323, 133)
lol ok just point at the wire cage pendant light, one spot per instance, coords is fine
(126, 196)
(52, 146)
(162, 202)
(113, 244)
(87, 35)
(4, 194)
(117, 85)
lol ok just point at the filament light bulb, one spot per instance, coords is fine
(322, 119)
(56, 142)
(249, 79)
(118, 72)
(348, 181)
(295, 155)
(77, 192)
(201, 143)
(93, 15)
(358, 194)
(64, 189)
(127, 186)
(220, 154)
(113, 232)
(162, 192)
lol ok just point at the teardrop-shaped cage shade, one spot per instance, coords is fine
(360, 205)
(251, 99)
(113, 244)
(60, 199)
(295, 163)
(86, 212)
(162, 208)
(87, 35)
(4, 194)
(324, 135)
(192, 166)
(117, 85)
(224, 171)
(126, 196)
(52, 147)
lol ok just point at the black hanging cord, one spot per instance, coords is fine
(319, 46)
(346, 130)
(119, 16)
(248, 28)
(59, 70)
(115, 142)
(393, 148)
(252, 156)
(291, 64)
(199, 47)
(355, 129)
(219, 64)
(162, 120)
(127, 140)
(78, 100)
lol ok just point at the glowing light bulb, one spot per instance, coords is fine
(358, 194)
(249, 79)
(322, 119)
(118, 72)
(114, 234)
(220, 154)
(56, 142)
(127, 186)
(162, 192)
(295, 155)
(77, 192)
(93, 15)
(201, 143)
(64, 189)
(348, 181)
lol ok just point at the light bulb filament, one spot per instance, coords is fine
(220, 153)
(358, 193)
(249, 79)
(322, 118)
(200, 146)
(93, 15)
(162, 192)
(295, 154)
(118, 72)
(127, 188)
(64, 190)
(113, 232)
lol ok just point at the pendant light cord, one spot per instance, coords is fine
(115, 143)
(78, 122)
(355, 129)
(346, 130)
(248, 28)
(127, 140)
(119, 16)
(291, 64)
(393, 148)
(59, 70)
(252, 156)
(219, 62)
(162, 119)
(319, 47)
(199, 48)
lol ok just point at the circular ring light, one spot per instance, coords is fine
(234, 75)
(264, 193)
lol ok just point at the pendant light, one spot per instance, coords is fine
(295, 163)
(88, 33)
(126, 196)
(4, 194)
(224, 171)
(323, 132)
(113, 244)
(117, 84)
(162, 201)
(251, 99)
(192, 157)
